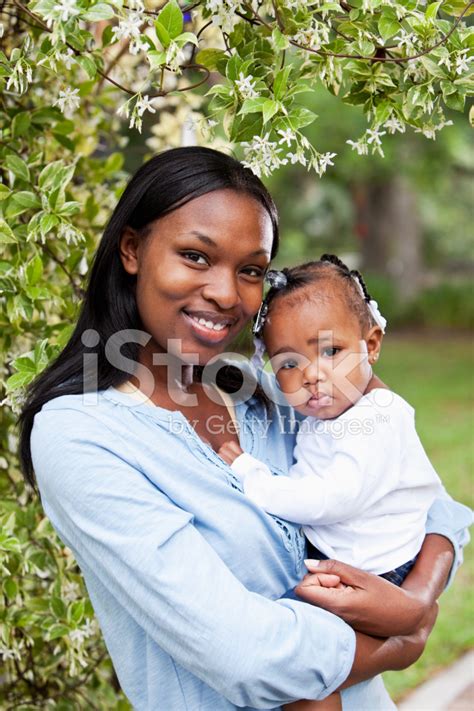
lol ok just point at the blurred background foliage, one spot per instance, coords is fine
(405, 220)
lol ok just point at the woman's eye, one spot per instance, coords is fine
(255, 272)
(195, 257)
(331, 351)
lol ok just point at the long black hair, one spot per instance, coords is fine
(166, 182)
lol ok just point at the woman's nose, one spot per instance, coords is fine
(223, 291)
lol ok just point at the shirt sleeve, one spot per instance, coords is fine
(450, 519)
(149, 555)
(348, 485)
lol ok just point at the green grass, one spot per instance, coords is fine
(435, 374)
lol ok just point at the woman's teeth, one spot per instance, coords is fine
(209, 324)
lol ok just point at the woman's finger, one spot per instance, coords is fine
(333, 599)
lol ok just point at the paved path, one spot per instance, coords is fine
(450, 690)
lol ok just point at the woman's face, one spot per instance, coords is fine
(200, 271)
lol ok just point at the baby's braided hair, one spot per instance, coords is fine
(329, 268)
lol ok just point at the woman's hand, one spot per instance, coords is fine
(367, 602)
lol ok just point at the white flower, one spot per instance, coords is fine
(262, 155)
(393, 124)
(69, 233)
(287, 136)
(446, 60)
(462, 61)
(71, 590)
(6, 654)
(246, 86)
(174, 57)
(313, 37)
(2, 29)
(68, 101)
(128, 28)
(373, 136)
(360, 146)
(224, 13)
(144, 104)
(298, 157)
(88, 629)
(407, 40)
(322, 162)
(67, 9)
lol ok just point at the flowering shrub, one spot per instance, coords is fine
(219, 72)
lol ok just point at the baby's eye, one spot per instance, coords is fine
(331, 351)
(288, 365)
(195, 257)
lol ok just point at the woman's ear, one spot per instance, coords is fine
(129, 250)
(374, 340)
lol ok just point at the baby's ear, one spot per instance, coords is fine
(374, 340)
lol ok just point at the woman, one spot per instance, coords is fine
(185, 574)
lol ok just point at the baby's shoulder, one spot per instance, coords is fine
(383, 405)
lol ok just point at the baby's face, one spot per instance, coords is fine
(318, 353)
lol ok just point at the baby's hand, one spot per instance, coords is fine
(230, 451)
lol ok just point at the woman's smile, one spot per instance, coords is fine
(210, 327)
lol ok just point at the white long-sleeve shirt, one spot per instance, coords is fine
(361, 485)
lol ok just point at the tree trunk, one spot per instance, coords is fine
(389, 228)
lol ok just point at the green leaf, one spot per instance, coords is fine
(301, 116)
(47, 223)
(209, 58)
(114, 163)
(10, 588)
(281, 82)
(388, 27)
(18, 167)
(58, 608)
(70, 208)
(432, 10)
(246, 127)
(270, 108)
(171, 18)
(162, 34)
(185, 38)
(56, 631)
(455, 101)
(233, 67)
(75, 612)
(4, 192)
(6, 234)
(252, 106)
(279, 40)
(21, 124)
(433, 68)
(157, 59)
(26, 199)
(88, 65)
(456, 7)
(34, 270)
(101, 11)
(107, 36)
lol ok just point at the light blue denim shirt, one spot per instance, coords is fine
(186, 574)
